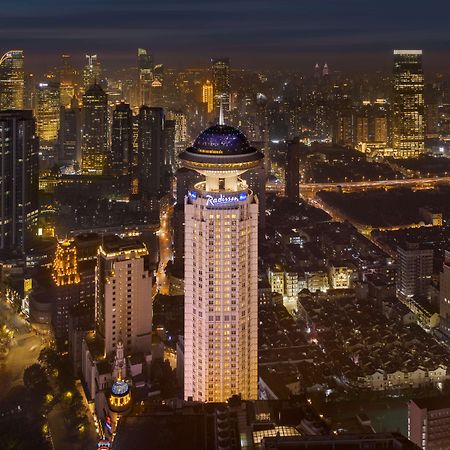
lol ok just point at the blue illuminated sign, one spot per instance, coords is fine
(193, 195)
(221, 199)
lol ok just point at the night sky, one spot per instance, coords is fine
(348, 34)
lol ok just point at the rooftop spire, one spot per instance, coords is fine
(221, 120)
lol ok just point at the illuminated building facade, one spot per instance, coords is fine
(122, 140)
(221, 269)
(444, 295)
(123, 309)
(69, 136)
(66, 81)
(145, 69)
(19, 184)
(208, 96)
(12, 80)
(94, 138)
(408, 104)
(47, 111)
(92, 72)
(181, 131)
(220, 69)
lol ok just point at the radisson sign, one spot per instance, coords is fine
(218, 200)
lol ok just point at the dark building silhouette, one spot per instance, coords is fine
(122, 140)
(69, 136)
(19, 182)
(150, 150)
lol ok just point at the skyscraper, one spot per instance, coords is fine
(92, 72)
(47, 111)
(444, 295)
(181, 133)
(94, 143)
(221, 269)
(169, 143)
(124, 296)
(220, 69)
(12, 80)
(122, 140)
(145, 74)
(208, 96)
(408, 104)
(19, 182)
(69, 137)
(66, 81)
(151, 126)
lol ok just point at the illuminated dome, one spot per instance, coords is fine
(221, 140)
(120, 388)
(221, 147)
(120, 398)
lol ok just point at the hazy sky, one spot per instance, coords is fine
(348, 34)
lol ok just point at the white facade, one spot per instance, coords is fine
(221, 292)
(124, 297)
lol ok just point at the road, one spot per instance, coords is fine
(24, 351)
(366, 184)
(165, 249)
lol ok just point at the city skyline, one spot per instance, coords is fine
(286, 35)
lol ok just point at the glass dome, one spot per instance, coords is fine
(221, 140)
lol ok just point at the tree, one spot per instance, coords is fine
(35, 380)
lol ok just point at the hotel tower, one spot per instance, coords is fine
(221, 269)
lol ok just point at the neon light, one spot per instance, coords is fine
(224, 199)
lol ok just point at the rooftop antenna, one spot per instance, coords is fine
(221, 120)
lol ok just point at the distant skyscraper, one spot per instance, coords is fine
(145, 73)
(66, 81)
(12, 80)
(169, 143)
(151, 126)
(19, 181)
(92, 72)
(221, 269)
(220, 69)
(408, 104)
(47, 111)
(69, 137)
(208, 96)
(122, 140)
(181, 132)
(94, 131)
(124, 296)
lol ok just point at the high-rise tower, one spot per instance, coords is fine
(47, 111)
(208, 96)
(408, 104)
(94, 143)
(220, 69)
(221, 269)
(19, 181)
(92, 71)
(12, 80)
(122, 140)
(145, 69)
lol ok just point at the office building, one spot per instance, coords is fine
(69, 137)
(92, 72)
(415, 269)
(221, 269)
(67, 81)
(122, 140)
(429, 422)
(408, 125)
(220, 70)
(169, 144)
(181, 131)
(444, 295)
(123, 296)
(12, 80)
(150, 140)
(19, 182)
(208, 96)
(145, 74)
(47, 111)
(94, 137)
